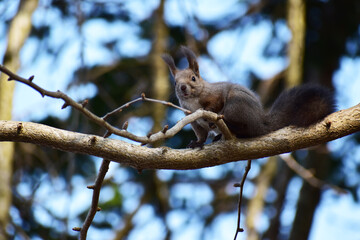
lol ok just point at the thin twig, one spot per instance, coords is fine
(95, 198)
(241, 186)
(123, 132)
(146, 99)
(307, 175)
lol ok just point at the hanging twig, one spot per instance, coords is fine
(95, 199)
(241, 186)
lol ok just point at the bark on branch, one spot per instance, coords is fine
(288, 139)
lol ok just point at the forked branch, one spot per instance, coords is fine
(101, 121)
(307, 175)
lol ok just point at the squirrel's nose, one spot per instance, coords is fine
(183, 88)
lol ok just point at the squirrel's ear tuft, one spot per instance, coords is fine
(170, 62)
(190, 56)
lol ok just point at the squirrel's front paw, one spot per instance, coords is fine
(195, 144)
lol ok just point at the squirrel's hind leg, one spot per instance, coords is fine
(244, 117)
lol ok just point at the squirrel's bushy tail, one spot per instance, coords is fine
(301, 106)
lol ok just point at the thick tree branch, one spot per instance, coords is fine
(288, 139)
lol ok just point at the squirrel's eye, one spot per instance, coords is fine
(193, 79)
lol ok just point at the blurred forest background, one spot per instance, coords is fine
(109, 52)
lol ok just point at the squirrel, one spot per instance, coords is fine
(241, 109)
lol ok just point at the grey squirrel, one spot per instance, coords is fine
(243, 113)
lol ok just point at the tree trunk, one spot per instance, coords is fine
(281, 182)
(296, 21)
(18, 32)
(160, 84)
(256, 204)
(309, 196)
